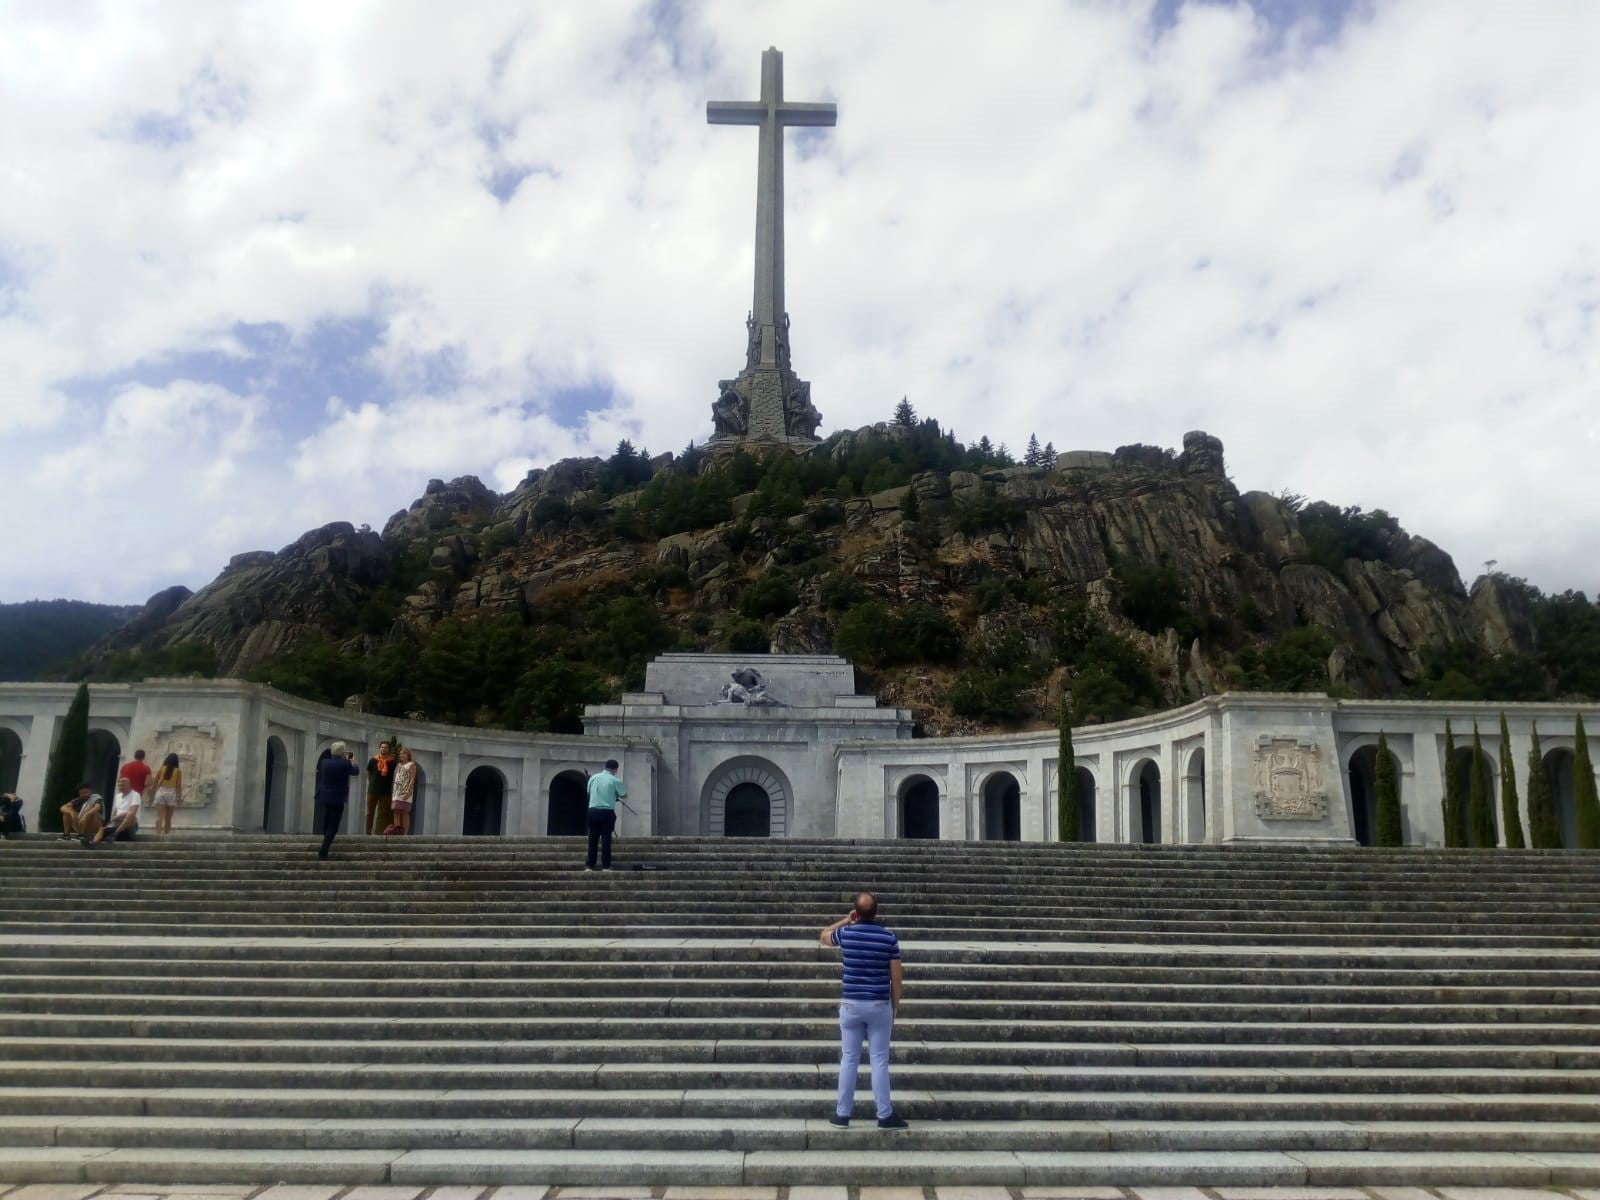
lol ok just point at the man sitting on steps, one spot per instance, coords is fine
(81, 818)
(873, 982)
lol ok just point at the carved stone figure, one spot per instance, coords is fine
(752, 354)
(730, 414)
(780, 337)
(800, 417)
(1287, 780)
(749, 687)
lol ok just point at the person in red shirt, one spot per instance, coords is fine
(137, 773)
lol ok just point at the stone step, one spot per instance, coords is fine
(820, 1052)
(979, 1031)
(607, 1074)
(32, 973)
(203, 1104)
(796, 1133)
(165, 1165)
(648, 986)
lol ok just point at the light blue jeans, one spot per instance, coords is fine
(871, 1021)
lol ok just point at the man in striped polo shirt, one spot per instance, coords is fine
(873, 981)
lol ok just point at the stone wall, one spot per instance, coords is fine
(1243, 767)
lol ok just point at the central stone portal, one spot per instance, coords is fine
(767, 401)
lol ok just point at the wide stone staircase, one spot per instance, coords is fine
(481, 1010)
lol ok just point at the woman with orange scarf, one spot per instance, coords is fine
(380, 786)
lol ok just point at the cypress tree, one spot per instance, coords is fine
(1585, 800)
(1068, 817)
(1543, 827)
(1390, 831)
(68, 759)
(1452, 790)
(1510, 818)
(1480, 809)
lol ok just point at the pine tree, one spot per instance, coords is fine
(1033, 455)
(68, 760)
(904, 414)
(1068, 817)
(1543, 827)
(1452, 789)
(1585, 800)
(910, 506)
(1389, 830)
(1480, 810)
(1510, 818)
(1049, 459)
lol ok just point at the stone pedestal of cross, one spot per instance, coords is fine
(767, 400)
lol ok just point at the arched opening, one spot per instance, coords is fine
(1363, 773)
(1002, 808)
(1560, 769)
(1194, 798)
(276, 787)
(104, 758)
(1146, 807)
(419, 797)
(748, 812)
(484, 803)
(1463, 796)
(10, 760)
(919, 808)
(731, 809)
(1086, 805)
(568, 812)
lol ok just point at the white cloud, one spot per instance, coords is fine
(1368, 264)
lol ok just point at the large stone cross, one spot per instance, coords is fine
(767, 358)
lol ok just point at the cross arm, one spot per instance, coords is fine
(735, 112)
(808, 114)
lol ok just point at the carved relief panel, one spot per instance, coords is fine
(1287, 780)
(199, 751)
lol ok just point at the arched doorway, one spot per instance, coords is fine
(1560, 769)
(275, 791)
(919, 808)
(10, 760)
(1463, 796)
(746, 797)
(1086, 805)
(1145, 810)
(567, 814)
(1363, 773)
(103, 760)
(1002, 808)
(1194, 798)
(747, 812)
(483, 803)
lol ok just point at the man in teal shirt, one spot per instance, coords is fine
(605, 789)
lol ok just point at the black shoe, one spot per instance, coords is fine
(67, 837)
(322, 854)
(839, 1122)
(892, 1121)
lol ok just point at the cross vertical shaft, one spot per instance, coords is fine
(767, 350)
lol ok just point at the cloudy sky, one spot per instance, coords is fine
(264, 266)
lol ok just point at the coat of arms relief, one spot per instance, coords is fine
(1287, 780)
(199, 751)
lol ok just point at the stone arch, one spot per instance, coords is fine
(917, 802)
(1463, 760)
(483, 803)
(1087, 789)
(1194, 797)
(567, 812)
(1144, 802)
(103, 760)
(761, 776)
(10, 759)
(1000, 808)
(275, 789)
(1560, 768)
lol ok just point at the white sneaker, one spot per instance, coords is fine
(588, 870)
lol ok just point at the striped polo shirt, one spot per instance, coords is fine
(868, 951)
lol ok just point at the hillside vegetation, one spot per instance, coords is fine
(980, 591)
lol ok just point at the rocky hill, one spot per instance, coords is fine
(983, 594)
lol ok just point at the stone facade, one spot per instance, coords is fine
(783, 745)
